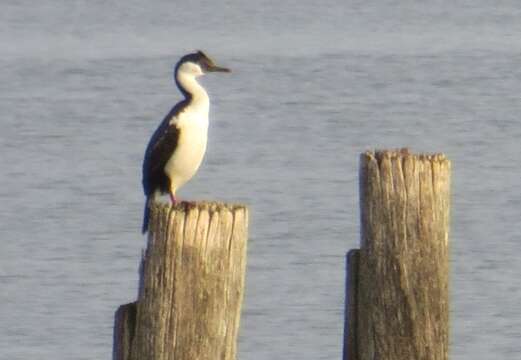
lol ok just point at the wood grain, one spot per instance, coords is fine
(192, 283)
(403, 310)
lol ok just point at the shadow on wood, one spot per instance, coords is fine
(351, 305)
(124, 329)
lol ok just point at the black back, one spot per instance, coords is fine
(160, 147)
(158, 152)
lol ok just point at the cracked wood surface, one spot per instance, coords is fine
(192, 284)
(403, 310)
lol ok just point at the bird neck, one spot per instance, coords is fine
(190, 88)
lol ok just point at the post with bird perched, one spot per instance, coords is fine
(397, 293)
(192, 272)
(191, 286)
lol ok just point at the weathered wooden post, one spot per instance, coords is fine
(191, 287)
(398, 304)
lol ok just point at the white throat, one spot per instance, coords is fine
(189, 83)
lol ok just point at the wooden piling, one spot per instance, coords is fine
(351, 305)
(124, 329)
(403, 284)
(191, 286)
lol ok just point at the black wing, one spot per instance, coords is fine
(160, 147)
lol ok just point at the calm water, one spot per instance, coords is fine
(84, 84)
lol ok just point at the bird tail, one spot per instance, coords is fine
(146, 215)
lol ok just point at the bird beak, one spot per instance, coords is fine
(215, 68)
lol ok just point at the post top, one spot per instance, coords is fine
(212, 206)
(403, 153)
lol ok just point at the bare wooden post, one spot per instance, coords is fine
(403, 310)
(192, 285)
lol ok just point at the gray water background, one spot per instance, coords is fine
(83, 84)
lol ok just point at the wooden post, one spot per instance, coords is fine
(191, 288)
(351, 305)
(124, 329)
(403, 294)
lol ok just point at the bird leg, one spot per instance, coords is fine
(173, 199)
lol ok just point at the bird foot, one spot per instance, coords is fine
(187, 204)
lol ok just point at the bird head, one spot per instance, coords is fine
(197, 64)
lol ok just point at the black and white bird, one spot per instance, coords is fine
(177, 147)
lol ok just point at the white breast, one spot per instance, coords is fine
(191, 145)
